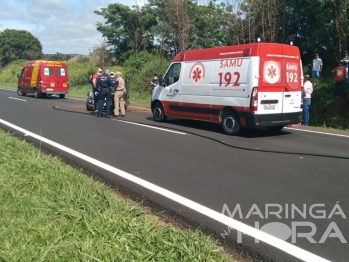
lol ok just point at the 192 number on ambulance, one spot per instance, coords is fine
(291, 77)
(228, 78)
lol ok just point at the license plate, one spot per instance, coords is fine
(269, 107)
(49, 89)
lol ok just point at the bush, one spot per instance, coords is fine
(8, 74)
(79, 79)
(79, 72)
(328, 110)
(139, 70)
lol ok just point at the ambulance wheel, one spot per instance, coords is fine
(20, 93)
(158, 113)
(62, 96)
(231, 124)
(275, 129)
(36, 94)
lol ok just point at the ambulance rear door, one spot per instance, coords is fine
(293, 85)
(54, 76)
(280, 84)
(61, 77)
(271, 86)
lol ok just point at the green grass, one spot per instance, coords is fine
(326, 109)
(52, 212)
(80, 92)
(8, 74)
(140, 99)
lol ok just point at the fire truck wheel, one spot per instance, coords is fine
(158, 113)
(231, 124)
(20, 93)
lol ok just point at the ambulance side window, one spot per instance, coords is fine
(172, 75)
(60, 71)
(48, 71)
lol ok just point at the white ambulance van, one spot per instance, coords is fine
(249, 85)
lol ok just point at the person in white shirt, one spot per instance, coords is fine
(317, 66)
(307, 91)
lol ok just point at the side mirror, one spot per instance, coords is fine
(18, 76)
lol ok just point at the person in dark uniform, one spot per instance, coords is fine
(104, 84)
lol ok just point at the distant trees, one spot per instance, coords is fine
(18, 44)
(168, 26)
(128, 30)
(101, 54)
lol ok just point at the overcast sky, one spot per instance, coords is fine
(64, 26)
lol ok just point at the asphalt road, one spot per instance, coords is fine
(292, 185)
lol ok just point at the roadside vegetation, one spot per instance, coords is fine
(326, 110)
(138, 70)
(52, 212)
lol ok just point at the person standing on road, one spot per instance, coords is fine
(115, 82)
(307, 91)
(94, 89)
(103, 85)
(317, 66)
(119, 96)
(340, 72)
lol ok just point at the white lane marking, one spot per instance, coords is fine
(17, 99)
(317, 132)
(74, 98)
(251, 231)
(153, 127)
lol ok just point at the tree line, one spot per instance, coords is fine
(166, 27)
(15, 44)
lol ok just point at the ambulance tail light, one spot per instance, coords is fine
(254, 99)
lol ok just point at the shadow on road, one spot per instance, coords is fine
(176, 123)
(76, 112)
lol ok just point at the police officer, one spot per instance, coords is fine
(115, 82)
(104, 84)
(119, 96)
